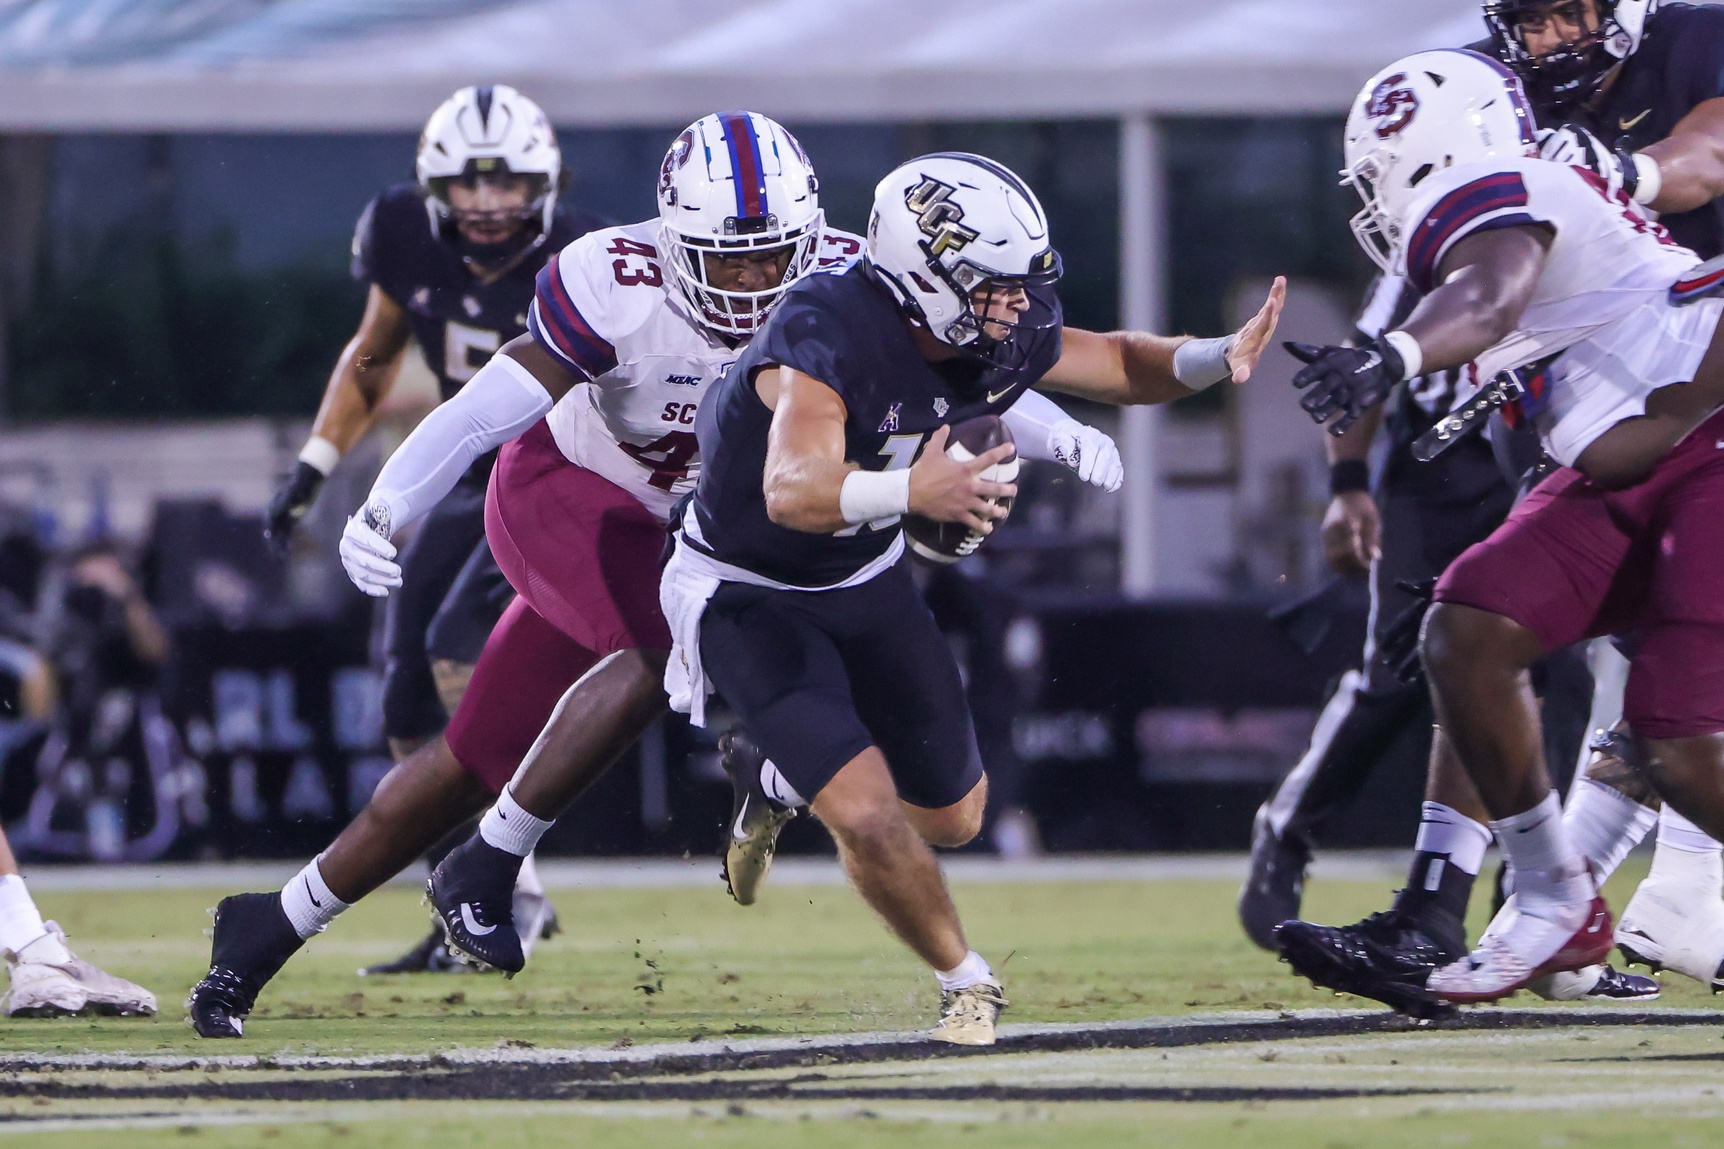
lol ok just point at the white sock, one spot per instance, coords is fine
(778, 787)
(21, 923)
(508, 827)
(1604, 824)
(1678, 833)
(308, 903)
(1444, 830)
(966, 973)
(527, 881)
(1548, 872)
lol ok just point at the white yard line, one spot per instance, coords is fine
(673, 873)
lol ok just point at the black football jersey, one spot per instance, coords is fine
(1680, 63)
(457, 321)
(848, 332)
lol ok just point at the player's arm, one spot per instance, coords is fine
(1352, 529)
(1687, 165)
(1131, 367)
(810, 486)
(1042, 430)
(1484, 282)
(514, 390)
(364, 373)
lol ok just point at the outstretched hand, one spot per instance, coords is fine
(1250, 340)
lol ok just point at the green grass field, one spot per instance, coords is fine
(639, 966)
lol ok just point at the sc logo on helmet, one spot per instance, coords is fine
(940, 219)
(1393, 105)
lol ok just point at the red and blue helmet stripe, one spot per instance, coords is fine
(748, 171)
(1516, 92)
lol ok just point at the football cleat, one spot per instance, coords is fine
(968, 1015)
(43, 984)
(252, 941)
(1386, 957)
(1276, 883)
(472, 891)
(755, 819)
(1594, 983)
(431, 955)
(1508, 959)
(1668, 925)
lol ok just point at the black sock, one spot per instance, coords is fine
(1436, 897)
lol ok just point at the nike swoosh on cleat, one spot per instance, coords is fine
(472, 923)
(737, 833)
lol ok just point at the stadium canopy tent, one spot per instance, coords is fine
(370, 65)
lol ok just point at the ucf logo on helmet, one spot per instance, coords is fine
(940, 219)
(1393, 105)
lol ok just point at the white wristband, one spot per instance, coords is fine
(869, 495)
(1412, 356)
(320, 455)
(1202, 363)
(1651, 179)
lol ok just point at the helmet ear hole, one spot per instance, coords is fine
(927, 288)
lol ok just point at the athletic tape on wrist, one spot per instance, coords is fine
(1202, 363)
(320, 455)
(1412, 356)
(1649, 180)
(869, 495)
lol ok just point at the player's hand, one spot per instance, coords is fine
(1250, 340)
(1573, 145)
(1399, 645)
(1345, 381)
(292, 499)
(369, 558)
(1089, 452)
(947, 491)
(1352, 533)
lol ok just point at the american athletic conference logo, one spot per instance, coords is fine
(1393, 105)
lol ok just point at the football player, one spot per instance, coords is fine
(628, 329)
(1546, 268)
(1656, 72)
(450, 261)
(787, 591)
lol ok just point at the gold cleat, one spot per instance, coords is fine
(754, 823)
(967, 1015)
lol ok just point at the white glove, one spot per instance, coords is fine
(1088, 452)
(1579, 148)
(368, 556)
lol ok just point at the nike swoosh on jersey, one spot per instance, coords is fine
(1628, 125)
(996, 396)
(472, 923)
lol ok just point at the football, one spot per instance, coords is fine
(949, 542)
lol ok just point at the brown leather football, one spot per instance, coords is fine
(949, 542)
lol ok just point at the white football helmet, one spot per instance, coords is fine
(736, 182)
(949, 224)
(489, 131)
(1572, 72)
(1421, 114)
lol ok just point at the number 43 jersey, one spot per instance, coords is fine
(604, 310)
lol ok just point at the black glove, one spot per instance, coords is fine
(289, 504)
(1345, 380)
(1399, 646)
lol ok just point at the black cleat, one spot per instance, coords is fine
(755, 819)
(1276, 884)
(473, 892)
(252, 941)
(1620, 985)
(429, 956)
(1387, 957)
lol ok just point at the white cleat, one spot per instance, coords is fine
(1523, 949)
(968, 1015)
(42, 988)
(1672, 925)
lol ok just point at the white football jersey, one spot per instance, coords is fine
(603, 309)
(1602, 300)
